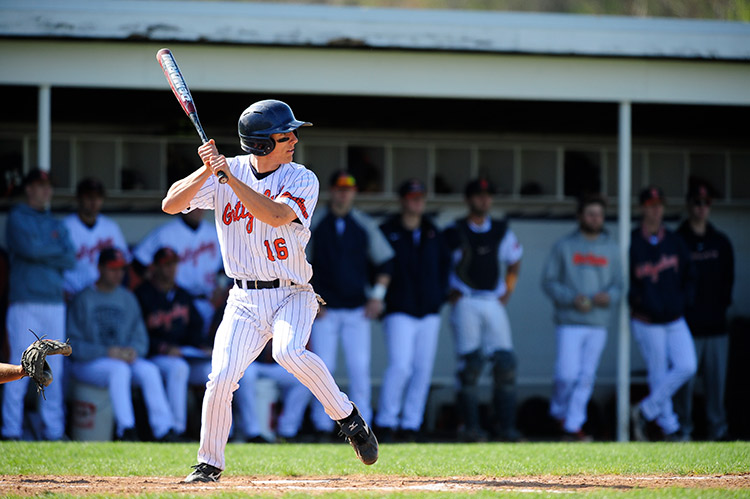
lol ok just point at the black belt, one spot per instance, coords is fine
(276, 283)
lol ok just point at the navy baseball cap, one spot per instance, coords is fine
(165, 255)
(112, 258)
(90, 185)
(36, 175)
(479, 186)
(700, 191)
(651, 195)
(411, 187)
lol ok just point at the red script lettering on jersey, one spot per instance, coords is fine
(91, 253)
(237, 213)
(653, 270)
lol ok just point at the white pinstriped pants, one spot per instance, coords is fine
(251, 318)
(44, 319)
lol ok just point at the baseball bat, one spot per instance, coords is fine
(182, 93)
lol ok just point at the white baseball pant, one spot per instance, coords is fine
(579, 349)
(412, 343)
(44, 319)
(251, 318)
(480, 322)
(118, 376)
(353, 330)
(670, 360)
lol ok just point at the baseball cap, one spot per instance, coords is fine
(343, 179)
(700, 191)
(90, 185)
(112, 258)
(651, 195)
(478, 186)
(165, 255)
(411, 187)
(36, 175)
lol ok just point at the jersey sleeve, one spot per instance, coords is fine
(301, 195)
(510, 250)
(206, 196)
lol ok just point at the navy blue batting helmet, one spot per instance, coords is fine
(262, 119)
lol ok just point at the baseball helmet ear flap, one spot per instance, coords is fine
(262, 119)
(259, 146)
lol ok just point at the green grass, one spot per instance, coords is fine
(438, 460)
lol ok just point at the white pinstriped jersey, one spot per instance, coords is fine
(88, 242)
(250, 248)
(198, 249)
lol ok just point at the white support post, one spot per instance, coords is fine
(44, 128)
(623, 221)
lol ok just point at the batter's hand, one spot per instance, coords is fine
(219, 163)
(207, 151)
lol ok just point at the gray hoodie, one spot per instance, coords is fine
(98, 320)
(40, 250)
(576, 266)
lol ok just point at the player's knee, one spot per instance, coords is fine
(120, 370)
(470, 367)
(289, 358)
(504, 367)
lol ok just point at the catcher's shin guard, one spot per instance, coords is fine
(504, 394)
(360, 436)
(470, 369)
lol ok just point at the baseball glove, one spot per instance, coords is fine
(34, 360)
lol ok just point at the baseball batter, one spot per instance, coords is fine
(262, 215)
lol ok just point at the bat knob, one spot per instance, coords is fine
(222, 177)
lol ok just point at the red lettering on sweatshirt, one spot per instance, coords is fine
(590, 259)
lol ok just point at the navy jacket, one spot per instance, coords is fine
(344, 264)
(171, 318)
(419, 271)
(713, 259)
(661, 277)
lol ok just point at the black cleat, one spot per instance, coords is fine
(360, 436)
(640, 424)
(203, 472)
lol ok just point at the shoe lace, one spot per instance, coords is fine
(207, 469)
(359, 438)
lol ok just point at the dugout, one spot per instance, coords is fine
(542, 103)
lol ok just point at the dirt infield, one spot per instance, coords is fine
(275, 485)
